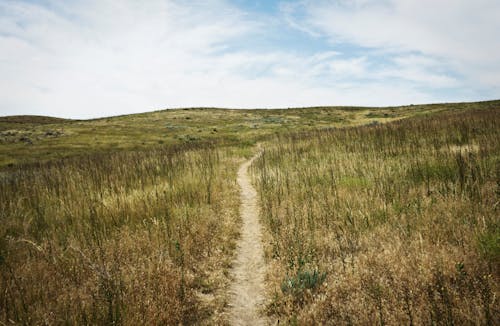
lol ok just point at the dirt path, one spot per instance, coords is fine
(247, 291)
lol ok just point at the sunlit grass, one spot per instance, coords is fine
(134, 219)
(35, 139)
(131, 237)
(402, 219)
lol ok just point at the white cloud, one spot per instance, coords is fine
(463, 34)
(98, 58)
(108, 57)
(421, 69)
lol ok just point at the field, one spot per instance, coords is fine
(391, 224)
(30, 139)
(369, 215)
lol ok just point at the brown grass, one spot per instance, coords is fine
(381, 225)
(134, 219)
(130, 238)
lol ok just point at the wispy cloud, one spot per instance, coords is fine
(461, 34)
(108, 57)
(96, 58)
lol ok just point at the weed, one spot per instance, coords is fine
(303, 280)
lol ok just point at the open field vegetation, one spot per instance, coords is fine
(25, 139)
(371, 215)
(134, 238)
(389, 224)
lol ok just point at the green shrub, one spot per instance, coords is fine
(303, 280)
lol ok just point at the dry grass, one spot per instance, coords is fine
(134, 219)
(379, 224)
(130, 238)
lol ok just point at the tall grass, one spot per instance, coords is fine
(385, 224)
(126, 238)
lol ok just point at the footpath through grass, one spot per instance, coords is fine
(134, 219)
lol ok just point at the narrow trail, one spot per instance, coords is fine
(247, 290)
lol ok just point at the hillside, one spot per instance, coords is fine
(31, 139)
(392, 224)
(215, 217)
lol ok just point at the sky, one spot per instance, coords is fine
(94, 58)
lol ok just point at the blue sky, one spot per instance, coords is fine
(93, 58)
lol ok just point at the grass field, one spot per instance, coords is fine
(127, 237)
(390, 224)
(385, 215)
(34, 139)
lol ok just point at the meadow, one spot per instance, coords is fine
(33, 139)
(134, 238)
(385, 224)
(385, 215)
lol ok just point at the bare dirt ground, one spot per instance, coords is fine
(248, 290)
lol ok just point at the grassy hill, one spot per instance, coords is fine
(28, 139)
(394, 224)
(370, 214)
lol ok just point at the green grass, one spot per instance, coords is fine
(30, 139)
